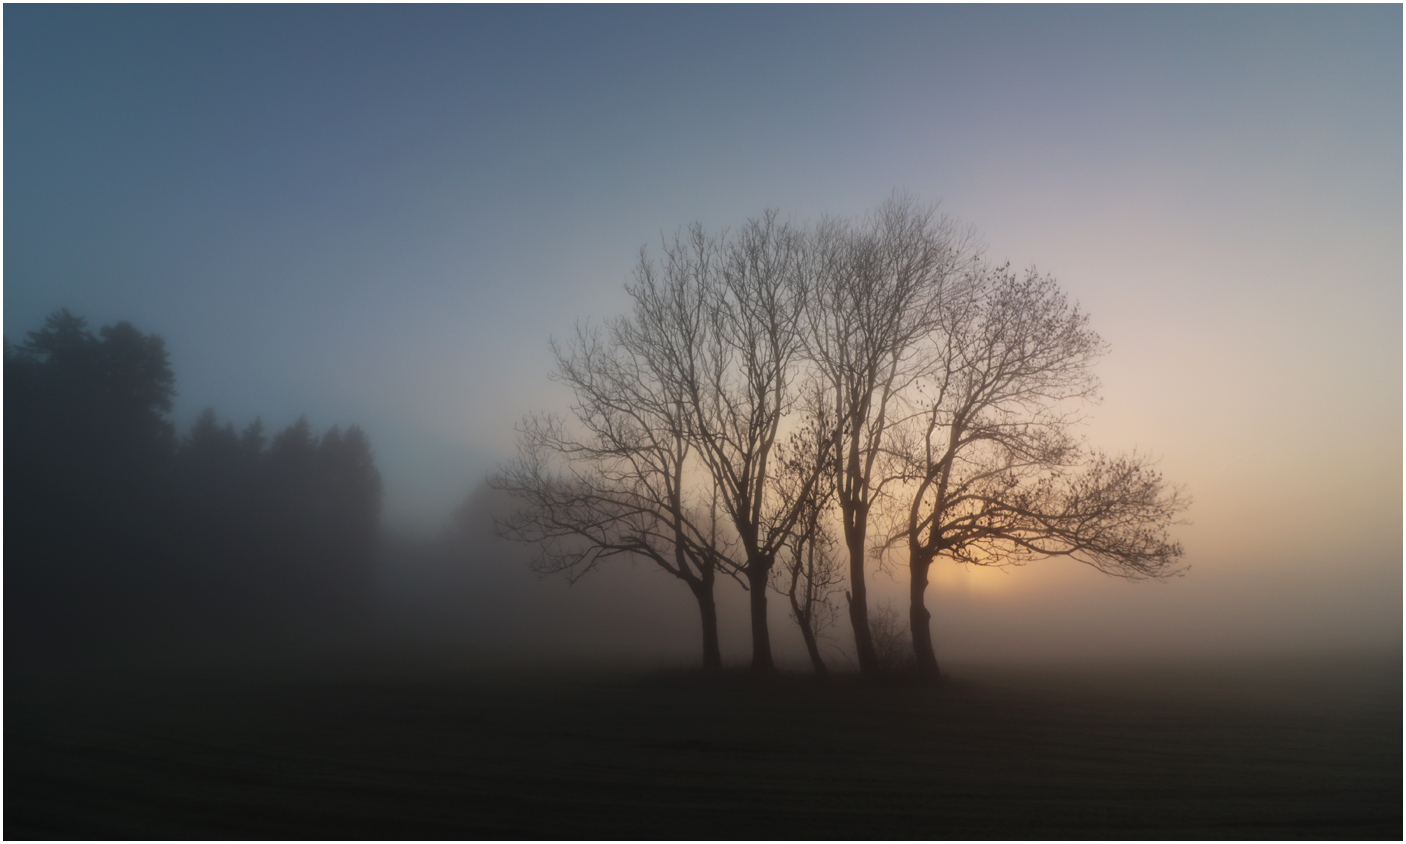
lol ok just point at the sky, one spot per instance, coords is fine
(381, 215)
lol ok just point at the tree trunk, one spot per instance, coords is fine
(708, 610)
(761, 639)
(918, 617)
(858, 599)
(804, 619)
(813, 649)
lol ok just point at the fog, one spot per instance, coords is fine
(474, 593)
(467, 597)
(282, 286)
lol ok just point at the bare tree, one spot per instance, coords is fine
(994, 475)
(878, 295)
(740, 386)
(892, 642)
(680, 408)
(811, 572)
(623, 479)
(767, 372)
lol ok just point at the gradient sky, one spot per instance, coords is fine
(380, 215)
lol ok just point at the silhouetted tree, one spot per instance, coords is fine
(994, 475)
(349, 509)
(622, 478)
(285, 536)
(878, 290)
(87, 448)
(925, 380)
(740, 384)
(214, 540)
(810, 572)
(352, 487)
(810, 575)
(112, 526)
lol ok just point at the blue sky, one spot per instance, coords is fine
(380, 215)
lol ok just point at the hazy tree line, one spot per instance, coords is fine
(788, 406)
(117, 525)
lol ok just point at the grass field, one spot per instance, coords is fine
(1287, 749)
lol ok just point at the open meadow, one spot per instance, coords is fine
(1310, 748)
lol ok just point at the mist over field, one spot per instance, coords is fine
(327, 327)
(1051, 609)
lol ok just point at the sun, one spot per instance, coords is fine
(986, 580)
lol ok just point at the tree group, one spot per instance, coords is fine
(116, 525)
(788, 404)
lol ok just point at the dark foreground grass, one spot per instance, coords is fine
(1262, 750)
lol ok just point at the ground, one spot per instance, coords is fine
(1183, 750)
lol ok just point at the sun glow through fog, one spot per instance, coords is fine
(950, 576)
(1235, 239)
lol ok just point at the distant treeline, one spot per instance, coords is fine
(117, 526)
